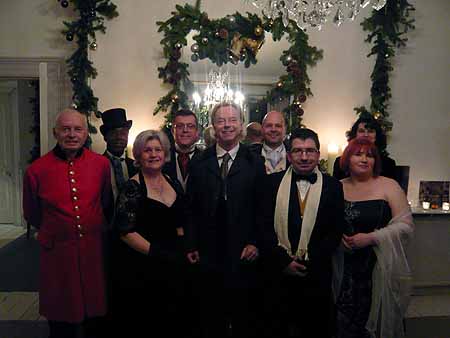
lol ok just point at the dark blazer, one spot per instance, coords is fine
(132, 170)
(170, 168)
(220, 247)
(325, 237)
(387, 168)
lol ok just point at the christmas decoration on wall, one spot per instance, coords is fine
(387, 30)
(234, 38)
(92, 15)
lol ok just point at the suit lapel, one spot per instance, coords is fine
(211, 161)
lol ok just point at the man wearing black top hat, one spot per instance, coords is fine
(115, 130)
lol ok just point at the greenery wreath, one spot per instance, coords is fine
(233, 38)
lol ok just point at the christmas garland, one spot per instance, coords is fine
(92, 14)
(234, 38)
(387, 29)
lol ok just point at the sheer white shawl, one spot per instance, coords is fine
(392, 280)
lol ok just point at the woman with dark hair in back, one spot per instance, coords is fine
(366, 127)
(371, 276)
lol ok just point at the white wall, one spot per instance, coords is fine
(129, 53)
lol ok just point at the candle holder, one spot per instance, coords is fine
(446, 206)
(425, 205)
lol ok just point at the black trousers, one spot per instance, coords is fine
(89, 328)
(296, 307)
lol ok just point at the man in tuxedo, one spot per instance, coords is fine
(273, 149)
(115, 129)
(185, 132)
(303, 220)
(221, 231)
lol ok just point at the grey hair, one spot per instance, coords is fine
(227, 104)
(148, 135)
(71, 110)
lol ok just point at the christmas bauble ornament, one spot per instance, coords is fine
(195, 47)
(74, 105)
(93, 45)
(65, 3)
(216, 34)
(178, 45)
(258, 30)
(300, 111)
(279, 84)
(174, 98)
(205, 40)
(288, 58)
(232, 19)
(302, 98)
(69, 36)
(377, 115)
(194, 57)
(223, 33)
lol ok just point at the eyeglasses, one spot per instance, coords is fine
(188, 126)
(307, 151)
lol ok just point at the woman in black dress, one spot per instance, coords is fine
(366, 127)
(372, 274)
(147, 263)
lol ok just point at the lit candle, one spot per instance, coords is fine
(333, 150)
(446, 206)
(426, 205)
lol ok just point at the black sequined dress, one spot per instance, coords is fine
(354, 301)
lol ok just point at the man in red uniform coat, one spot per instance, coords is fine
(65, 195)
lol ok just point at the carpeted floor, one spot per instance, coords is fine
(19, 265)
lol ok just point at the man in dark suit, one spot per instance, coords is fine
(273, 149)
(303, 221)
(221, 230)
(115, 129)
(184, 152)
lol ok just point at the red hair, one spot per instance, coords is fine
(355, 146)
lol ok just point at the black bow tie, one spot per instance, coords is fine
(311, 178)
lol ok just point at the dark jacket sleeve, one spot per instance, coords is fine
(337, 171)
(335, 212)
(126, 208)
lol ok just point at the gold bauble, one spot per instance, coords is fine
(377, 115)
(174, 98)
(258, 30)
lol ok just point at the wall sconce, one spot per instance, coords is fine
(333, 151)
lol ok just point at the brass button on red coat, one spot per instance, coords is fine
(79, 226)
(81, 235)
(76, 207)
(74, 189)
(75, 198)
(71, 163)
(72, 180)
(77, 216)
(71, 172)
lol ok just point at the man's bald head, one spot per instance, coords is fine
(274, 129)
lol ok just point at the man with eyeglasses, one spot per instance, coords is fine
(185, 133)
(303, 220)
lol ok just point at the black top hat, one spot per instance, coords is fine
(114, 118)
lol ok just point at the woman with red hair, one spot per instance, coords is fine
(372, 276)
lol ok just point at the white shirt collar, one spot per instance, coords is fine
(233, 152)
(279, 149)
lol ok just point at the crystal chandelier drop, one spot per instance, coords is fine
(218, 90)
(314, 13)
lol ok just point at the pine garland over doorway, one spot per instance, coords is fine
(232, 39)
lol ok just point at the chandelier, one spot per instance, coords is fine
(218, 90)
(314, 13)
